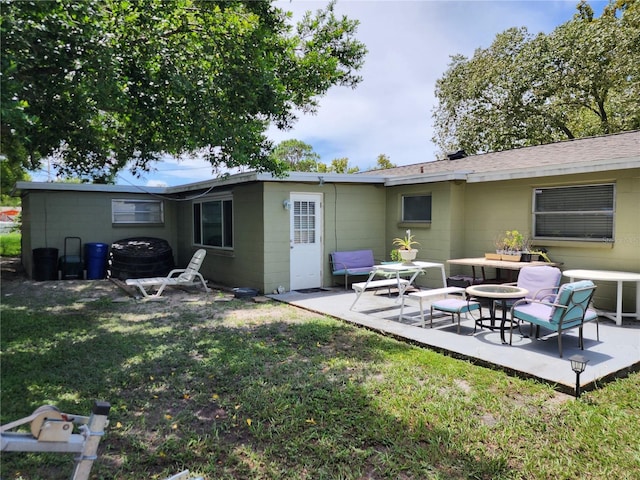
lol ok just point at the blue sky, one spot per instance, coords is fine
(410, 43)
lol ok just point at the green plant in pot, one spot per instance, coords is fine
(405, 247)
(530, 253)
(513, 243)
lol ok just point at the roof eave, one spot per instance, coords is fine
(22, 186)
(290, 177)
(428, 178)
(557, 170)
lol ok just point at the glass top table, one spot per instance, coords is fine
(500, 293)
(497, 291)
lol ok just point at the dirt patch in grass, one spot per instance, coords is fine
(174, 301)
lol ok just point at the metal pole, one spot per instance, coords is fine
(577, 384)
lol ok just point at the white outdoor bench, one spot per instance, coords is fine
(422, 294)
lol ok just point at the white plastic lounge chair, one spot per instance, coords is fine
(184, 475)
(185, 277)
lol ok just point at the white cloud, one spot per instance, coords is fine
(410, 44)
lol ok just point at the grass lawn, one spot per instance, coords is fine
(236, 390)
(10, 244)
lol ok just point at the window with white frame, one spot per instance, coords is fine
(133, 211)
(416, 208)
(213, 222)
(584, 212)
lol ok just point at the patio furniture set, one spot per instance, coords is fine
(536, 298)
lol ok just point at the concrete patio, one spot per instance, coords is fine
(616, 354)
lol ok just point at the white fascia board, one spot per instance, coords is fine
(556, 170)
(223, 180)
(293, 177)
(317, 177)
(431, 178)
(85, 187)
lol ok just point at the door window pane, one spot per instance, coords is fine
(304, 222)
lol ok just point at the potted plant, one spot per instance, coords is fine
(513, 244)
(542, 254)
(405, 247)
(527, 253)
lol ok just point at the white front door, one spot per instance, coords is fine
(306, 240)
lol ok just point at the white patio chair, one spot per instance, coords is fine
(185, 277)
(184, 475)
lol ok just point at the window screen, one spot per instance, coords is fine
(574, 213)
(127, 211)
(416, 208)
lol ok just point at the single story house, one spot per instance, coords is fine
(580, 199)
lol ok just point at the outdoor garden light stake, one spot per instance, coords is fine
(578, 364)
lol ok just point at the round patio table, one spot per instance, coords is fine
(500, 293)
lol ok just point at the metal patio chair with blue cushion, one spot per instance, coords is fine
(570, 309)
(542, 283)
(454, 306)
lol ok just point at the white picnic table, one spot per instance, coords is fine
(394, 273)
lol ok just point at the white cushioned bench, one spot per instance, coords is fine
(420, 295)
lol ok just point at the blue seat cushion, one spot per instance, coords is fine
(353, 271)
(455, 305)
(347, 262)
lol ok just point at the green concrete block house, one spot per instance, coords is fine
(580, 199)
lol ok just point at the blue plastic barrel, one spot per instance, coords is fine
(95, 258)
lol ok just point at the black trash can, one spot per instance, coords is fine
(45, 264)
(95, 258)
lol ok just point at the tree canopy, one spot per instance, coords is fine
(582, 79)
(300, 157)
(101, 83)
(384, 162)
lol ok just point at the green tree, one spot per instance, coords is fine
(384, 162)
(300, 157)
(341, 165)
(582, 79)
(297, 155)
(8, 177)
(105, 82)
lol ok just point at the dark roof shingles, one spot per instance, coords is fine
(583, 150)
